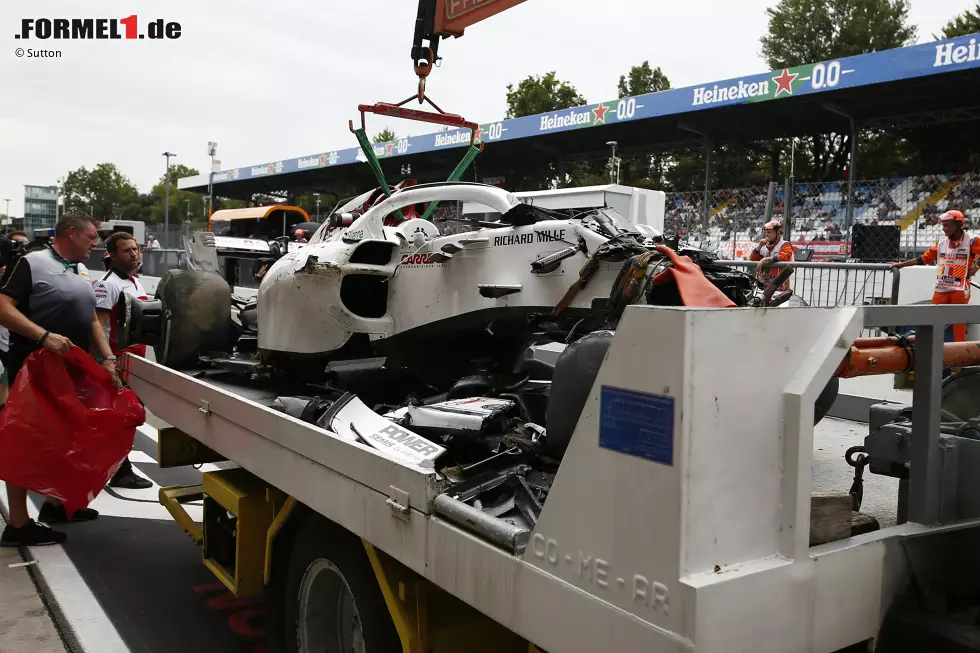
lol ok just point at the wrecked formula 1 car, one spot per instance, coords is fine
(422, 345)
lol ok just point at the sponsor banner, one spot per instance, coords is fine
(849, 72)
(822, 250)
(250, 244)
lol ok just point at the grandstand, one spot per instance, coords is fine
(819, 212)
(843, 96)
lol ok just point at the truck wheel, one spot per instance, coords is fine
(196, 316)
(332, 601)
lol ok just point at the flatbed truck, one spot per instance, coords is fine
(679, 519)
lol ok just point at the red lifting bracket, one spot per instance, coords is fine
(400, 111)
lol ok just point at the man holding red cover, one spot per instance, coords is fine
(48, 302)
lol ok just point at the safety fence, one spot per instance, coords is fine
(155, 261)
(828, 284)
(887, 220)
(838, 284)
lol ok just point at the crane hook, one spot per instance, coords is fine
(423, 70)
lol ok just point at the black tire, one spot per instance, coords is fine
(324, 557)
(196, 317)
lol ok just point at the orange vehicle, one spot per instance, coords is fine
(260, 222)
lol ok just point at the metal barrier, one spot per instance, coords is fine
(839, 284)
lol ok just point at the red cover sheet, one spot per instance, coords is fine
(695, 289)
(66, 429)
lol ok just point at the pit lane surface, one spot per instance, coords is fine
(145, 576)
(131, 581)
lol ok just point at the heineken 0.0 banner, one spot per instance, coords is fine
(823, 77)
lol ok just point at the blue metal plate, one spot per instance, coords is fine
(638, 424)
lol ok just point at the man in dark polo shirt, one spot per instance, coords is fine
(48, 301)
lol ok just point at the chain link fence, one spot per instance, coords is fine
(890, 219)
(172, 238)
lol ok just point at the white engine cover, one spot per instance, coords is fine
(429, 279)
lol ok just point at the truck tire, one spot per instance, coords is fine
(331, 601)
(196, 317)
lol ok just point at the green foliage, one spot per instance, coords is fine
(103, 192)
(809, 31)
(182, 203)
(107, 194)
(645, 169)
(540, 94)
(308, 203)
(966, 23)
(642, 79)
(384, 136)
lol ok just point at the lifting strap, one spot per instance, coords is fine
(399, 111)
(471, 153)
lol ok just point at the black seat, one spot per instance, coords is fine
(575, 373)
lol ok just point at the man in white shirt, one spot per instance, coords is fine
(120, 277)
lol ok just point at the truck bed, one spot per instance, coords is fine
(831, 438)
(633, 550)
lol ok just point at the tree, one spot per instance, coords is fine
(966, 23)
(645, 170)
(809, 31)
(103, 192)
(308, 202)
(540, 94)
(384, 136)
(537, 94)
(182, 202)
(642, 79)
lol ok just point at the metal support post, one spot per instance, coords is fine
(915, 233)
(851, 180)
(707, 185)
(212, 151)
(924, 466)
(770, 201)
(788, 209)
(166, 195)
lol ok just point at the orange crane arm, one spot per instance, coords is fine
(443, 18)
(453, 16)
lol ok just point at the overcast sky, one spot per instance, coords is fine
(278, 79)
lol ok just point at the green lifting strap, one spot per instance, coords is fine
(372, 160)
(456, 174)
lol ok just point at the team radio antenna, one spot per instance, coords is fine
(439, 19)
